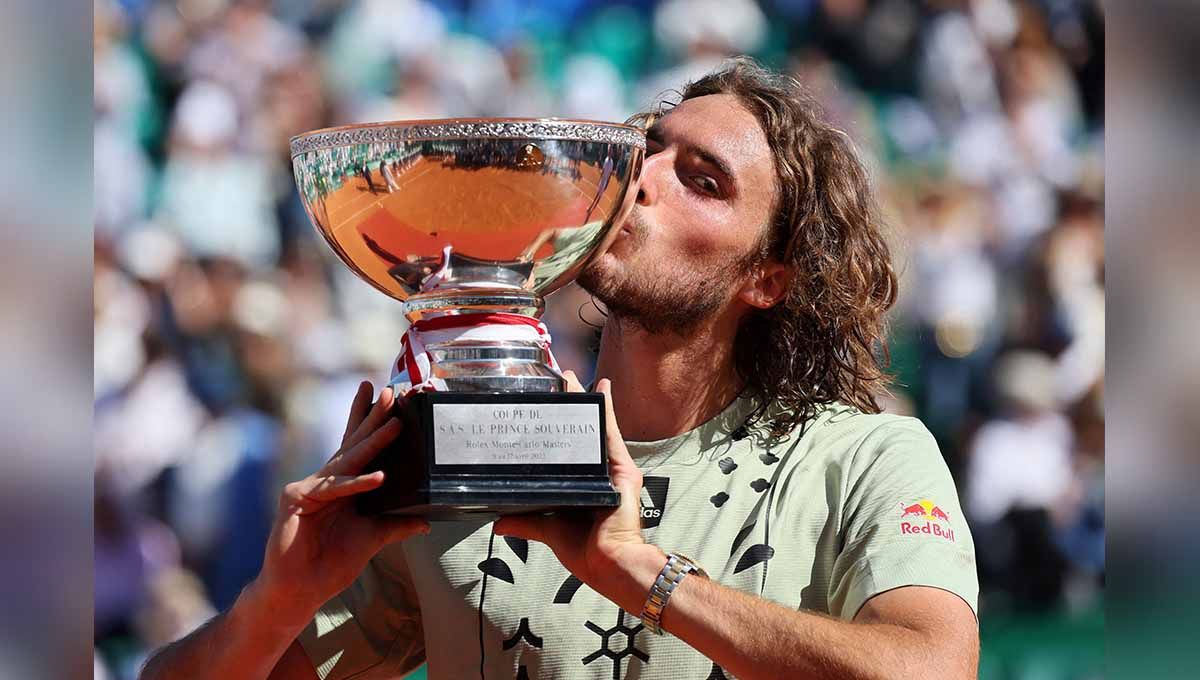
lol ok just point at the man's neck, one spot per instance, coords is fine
(665, 384)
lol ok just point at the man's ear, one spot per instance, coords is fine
(767, 284)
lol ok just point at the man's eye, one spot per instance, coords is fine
(706, 184)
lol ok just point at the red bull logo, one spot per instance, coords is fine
(928, 519)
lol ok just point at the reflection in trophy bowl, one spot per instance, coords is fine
(468, 214)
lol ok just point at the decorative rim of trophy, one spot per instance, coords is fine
(469, 128)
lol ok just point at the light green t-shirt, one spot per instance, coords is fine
(823, 520)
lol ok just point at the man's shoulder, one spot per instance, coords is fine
(846, 436)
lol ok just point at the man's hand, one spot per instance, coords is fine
(318, 546)
(319, 543)
(599, 546)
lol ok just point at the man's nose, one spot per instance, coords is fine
(653, 169)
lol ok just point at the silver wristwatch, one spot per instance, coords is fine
(677, 567)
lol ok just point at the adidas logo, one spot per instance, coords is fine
(653, 500)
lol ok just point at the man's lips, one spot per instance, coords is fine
(633, 227)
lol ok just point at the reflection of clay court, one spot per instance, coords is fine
(489, 213)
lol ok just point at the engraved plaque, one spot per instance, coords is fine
(516, 434)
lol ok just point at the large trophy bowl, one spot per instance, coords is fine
(469, 223)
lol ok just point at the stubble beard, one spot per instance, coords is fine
(659, 298)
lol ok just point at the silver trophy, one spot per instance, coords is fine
(469, 223)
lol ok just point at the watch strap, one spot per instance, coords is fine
(672, 574)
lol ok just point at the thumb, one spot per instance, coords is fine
(573, 384)
(604, 386)
(618, 454)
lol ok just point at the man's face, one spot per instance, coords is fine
(706, 193)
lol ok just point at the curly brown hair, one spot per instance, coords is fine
(825, 340)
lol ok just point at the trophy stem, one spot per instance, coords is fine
(494, 366)
(486, 341)
(467, 301)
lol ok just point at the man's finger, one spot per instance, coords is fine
(604, 386)
(352, 461)
(617, 453)
(379, 413)
(572, 382)
(626, 477)
(313, 493)
(392, 529)
(358, 409)
(530, 527)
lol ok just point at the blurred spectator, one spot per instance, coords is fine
(1019, 475)
(245, 46)
(175, 605)
(1021, 460)
(593, 89)
(130, 551)
(954, 298)
(699, 34)
(218, 198)
(373, 38)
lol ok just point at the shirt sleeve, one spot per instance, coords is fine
(372, 630)
(901, 521)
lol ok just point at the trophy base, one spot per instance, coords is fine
(456, 502)
(475, 455)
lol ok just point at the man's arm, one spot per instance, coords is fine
(901, 633)
(250, 640)
(318, 546)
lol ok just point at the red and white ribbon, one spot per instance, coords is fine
(411, 372)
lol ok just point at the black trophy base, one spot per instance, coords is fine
(479, 455)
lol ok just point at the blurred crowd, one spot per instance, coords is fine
(228, 343)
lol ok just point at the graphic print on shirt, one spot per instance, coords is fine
(497, 568)
(523, 633)
(567, 590)
(519, 546)
(617, 636)
(653, 500)
(758, 553)
(755, 554)
(717, 673)
(741, 536)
